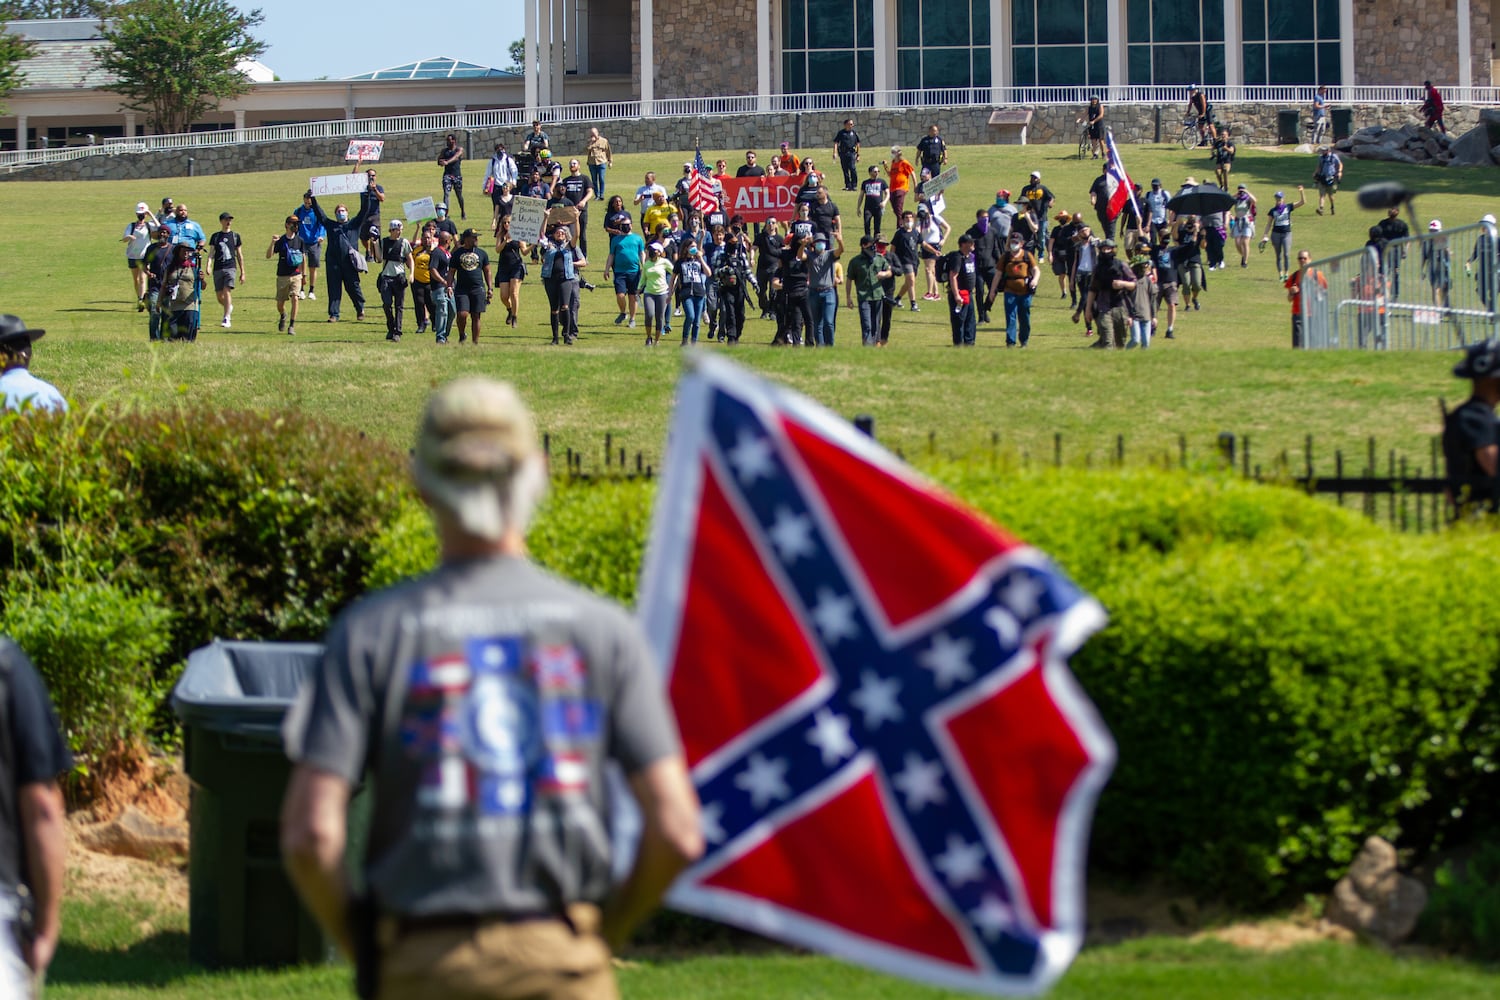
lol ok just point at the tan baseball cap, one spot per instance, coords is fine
(476, 435)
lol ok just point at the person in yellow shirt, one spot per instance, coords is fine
(421, 277)
(657, 215)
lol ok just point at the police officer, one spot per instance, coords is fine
(33, 842)
(19, 389)
(481, 702)
(1471, 433)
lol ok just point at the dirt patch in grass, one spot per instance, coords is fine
(157, 788)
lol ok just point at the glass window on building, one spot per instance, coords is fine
(1175, 42)
(1290, 43)
(828, 46)
(942, 43)
(1060, 43)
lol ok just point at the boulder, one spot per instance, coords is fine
(1495, 153)
(1472, 148)
(1376, 900)
(135, 835)
(1386, 154)
(1489, 116)
(1368, 132)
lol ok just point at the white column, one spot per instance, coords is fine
(763, 52)
(1000, 57)
(528, 58)
(22, 124)
(581, 37)
(239, 119)
(1465, 46)
(885, 51)
(570, 34)
(130, 125)
(1234, 49)
(648, 57)
(559, 53)
(1115, 23)
(1346, 46)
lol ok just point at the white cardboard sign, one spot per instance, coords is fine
(527, 218)
(337, 184)
(364, 149)
(419, 210)
(941, 182)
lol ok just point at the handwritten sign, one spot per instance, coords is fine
(527, 218)
(941, 182)
(337, 184)
(364, 149)
(562, 215)
(762, 198)
(419, 210)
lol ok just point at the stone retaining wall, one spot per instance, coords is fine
(810, 133)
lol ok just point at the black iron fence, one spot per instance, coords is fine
(1405, 492)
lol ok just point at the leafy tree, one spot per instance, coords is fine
(175, 60)
(517, 51)
(14, 50)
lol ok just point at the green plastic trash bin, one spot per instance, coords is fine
(1288, 127)
(242, 909)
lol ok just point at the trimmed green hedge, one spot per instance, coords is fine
(1283, 678)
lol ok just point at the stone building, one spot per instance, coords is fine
(707, 48)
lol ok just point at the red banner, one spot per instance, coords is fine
(762, 198)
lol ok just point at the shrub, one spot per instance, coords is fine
(97, 646)
(1463, 911)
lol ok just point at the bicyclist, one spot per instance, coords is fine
(1093, 123)
(1197, 112)
(1320, 113)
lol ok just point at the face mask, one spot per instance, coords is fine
(139, 216)
(342, 215)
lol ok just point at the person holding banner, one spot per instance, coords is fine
(346, 261)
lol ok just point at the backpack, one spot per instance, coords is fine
(186, 287)
(942, 269)
(293, 258)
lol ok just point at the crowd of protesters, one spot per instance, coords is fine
(1126, 274)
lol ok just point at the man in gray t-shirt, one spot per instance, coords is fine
(482, 702)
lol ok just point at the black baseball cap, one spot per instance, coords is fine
(224, 215)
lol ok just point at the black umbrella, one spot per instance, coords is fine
(1205, 199)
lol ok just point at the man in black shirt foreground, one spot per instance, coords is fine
(1471, 433)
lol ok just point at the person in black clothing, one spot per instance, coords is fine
(1062, 255)
(1471, 434)
(158, 260)
(450, 159)
(291, 265)
(473, 286)
(396, 266)
(370, 200)
(33, 821)
(1099, 198)
(963, 289)
(766, 265)
(345, 259)
(933, 151)
(846, 148)
(874, 195)
(796, 308)
(906, 258)
(987, 251)
(824, 215)
(1392, 229)
(580, 192)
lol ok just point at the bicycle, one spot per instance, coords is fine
(1190, 137)
(1317, 131)
(1085, 144)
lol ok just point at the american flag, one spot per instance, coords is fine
(1121, 190)
(702, 190)
(870, 680)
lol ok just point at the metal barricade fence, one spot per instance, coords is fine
(1431, 292)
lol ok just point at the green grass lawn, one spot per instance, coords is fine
(127, 950)
(1231, 369)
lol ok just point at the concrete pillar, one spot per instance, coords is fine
(1346, 45)
(239, 119)
(885, 49)
(1000, 60)
(580, 37)
(1116, 20)
(22, 124)
(1234, 50)
(763, 53)
(648, 57)
(559, 52)
(130, 124)
(1465, 46)
(528, 58)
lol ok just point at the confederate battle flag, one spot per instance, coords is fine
(895, 764)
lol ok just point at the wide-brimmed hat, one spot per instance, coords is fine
(13, 328)
(1481, 360)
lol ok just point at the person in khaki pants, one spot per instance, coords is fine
(481, 703)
